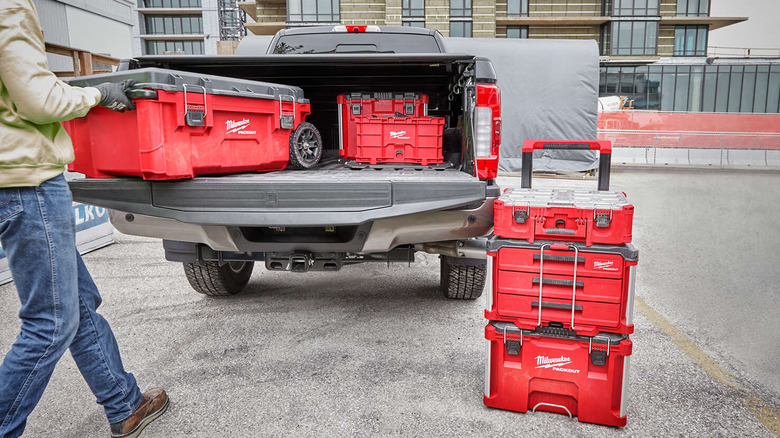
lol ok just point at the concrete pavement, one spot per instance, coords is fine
(372, 350)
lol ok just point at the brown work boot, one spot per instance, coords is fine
(154, 403)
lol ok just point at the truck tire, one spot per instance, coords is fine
(462, 279)
(215, 280)
(305, 146)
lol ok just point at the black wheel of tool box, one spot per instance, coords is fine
(462, 279)
(218, 280)
(305, 146)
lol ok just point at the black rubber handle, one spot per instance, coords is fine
(141, 93)
(550, 305)
(557, 282)
(559, 258)
(605, 158)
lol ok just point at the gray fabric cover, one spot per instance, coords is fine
(549, 91)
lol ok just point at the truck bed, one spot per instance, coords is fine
(329, 194)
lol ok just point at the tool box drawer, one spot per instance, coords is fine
(562, 287)
(561, 262)
(589, 316)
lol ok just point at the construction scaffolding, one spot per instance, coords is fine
(231, 21)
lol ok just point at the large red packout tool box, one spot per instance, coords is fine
(389, 104)
(570, 215)
(588, 289)
(399, 140)
(556, 370)
(187, 124)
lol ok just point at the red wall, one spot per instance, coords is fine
(689, 122)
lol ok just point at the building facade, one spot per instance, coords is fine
(652, 51)
(74, 23)
(190, 27)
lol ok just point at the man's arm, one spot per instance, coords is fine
(38, 95)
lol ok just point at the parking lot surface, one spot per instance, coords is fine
(377, 350)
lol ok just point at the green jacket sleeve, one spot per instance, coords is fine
(36, 92)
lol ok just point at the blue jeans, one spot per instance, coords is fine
(59, 309)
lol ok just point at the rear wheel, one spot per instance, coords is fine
(305, 146)
(217, 280)
(462, 279)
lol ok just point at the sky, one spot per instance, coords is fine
(762, 30)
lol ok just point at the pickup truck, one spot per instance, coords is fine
(331, 215)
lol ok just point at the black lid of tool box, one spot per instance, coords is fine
(559, 332)
(627, 251)
(174, 80)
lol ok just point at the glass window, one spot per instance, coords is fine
(460, 29)
(634, 38)
(313, 11)
(172, 3)
(635, 8)
(517, 31)
(690, 41)
(173, 25)
(722, 93)
(735, 89)
(667, 89)
(695, 90)
(460, 8)
(187, 47)
(682, 81)
(773, 95)
(748, 89)
(413, 13)
(693, 7)
(517, 8)
(762, 83)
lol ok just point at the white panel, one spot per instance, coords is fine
(115, 37)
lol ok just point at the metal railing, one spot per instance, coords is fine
(720, 149)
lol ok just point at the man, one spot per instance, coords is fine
(37, 231)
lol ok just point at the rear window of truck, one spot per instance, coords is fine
(369, 42)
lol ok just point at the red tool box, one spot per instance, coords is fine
(399, 140)
(556, 370)
(570, 215)
(390, 104)
(188, 124)
(538, 284)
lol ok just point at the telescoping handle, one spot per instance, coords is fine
(605, 157)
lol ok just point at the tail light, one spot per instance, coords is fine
(487, 130)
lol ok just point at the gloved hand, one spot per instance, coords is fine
(114, 95)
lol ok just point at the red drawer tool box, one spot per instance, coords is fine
(556, 370)
(380, 104)
(399, 140)
(187, 124)
(570, 215)
(538, 284)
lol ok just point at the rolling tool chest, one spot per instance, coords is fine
(562, 274)
(187, 124)
(380, 128)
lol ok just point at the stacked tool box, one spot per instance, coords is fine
(389, 128)
(560, 307)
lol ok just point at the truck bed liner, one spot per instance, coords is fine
(329, 194)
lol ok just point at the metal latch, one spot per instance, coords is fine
(356, 109)
(287, 121)
(521, 216)
(599, 357)
(194, 115)
(513, 347)
(602, 217)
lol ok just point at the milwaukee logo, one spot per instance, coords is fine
(238, 126)
(605, 265)
(555, 363)
(399, 135)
